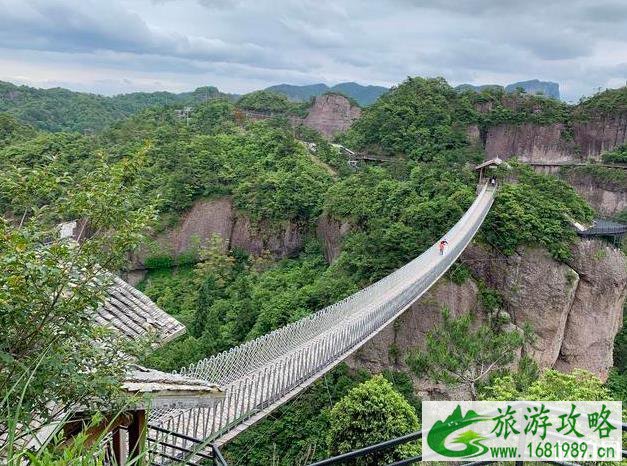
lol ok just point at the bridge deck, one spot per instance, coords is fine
(262, 374)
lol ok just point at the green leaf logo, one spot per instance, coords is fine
(441, 430)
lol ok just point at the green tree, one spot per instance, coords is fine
(459, 353)
(371, 413)
(53, 356)
(537, 210)
(418, 118)
(265, 101)
(552, 385)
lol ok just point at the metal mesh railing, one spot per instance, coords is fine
(259, 374)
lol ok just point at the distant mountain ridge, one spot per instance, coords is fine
(364, 95)
(532, 86)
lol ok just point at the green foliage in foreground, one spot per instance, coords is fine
(53, 356)
(537, 210)
(296, 433)
(371, 413)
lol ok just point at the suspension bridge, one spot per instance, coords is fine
(262, 374)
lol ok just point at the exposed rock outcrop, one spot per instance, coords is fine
(208, 218)
(600, 134)
(537, 290)
(574, 309)
(331, 114)
(530, 143)
(554, 143)
(388, 349)
(608, 199)
(330, 232)
(595, 317)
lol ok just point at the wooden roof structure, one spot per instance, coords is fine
(169, 390)
(132, 314)
(128, 311)
(495, 162)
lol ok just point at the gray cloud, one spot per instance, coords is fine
(239, 45)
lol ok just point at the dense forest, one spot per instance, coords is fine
(396, 210)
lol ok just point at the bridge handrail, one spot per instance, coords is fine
(224, 367)
(260, 373)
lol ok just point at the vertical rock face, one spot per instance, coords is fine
(605, 197)
(331, 114)
(552, 144)
(330, 232)
(537, 290)
(208, 218)
(574, 310)
(600, 134)
(205, 219)
(583, 141)
(473, 135)
(530, 143)
(595, 316)
(281, 242)
(388, 348)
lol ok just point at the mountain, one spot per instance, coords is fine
(60, 109)
(299, 92)
(533, 86)
(364, 95)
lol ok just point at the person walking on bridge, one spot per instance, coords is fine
(442, 245)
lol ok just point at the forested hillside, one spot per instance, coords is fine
(394, 211)
(64, 110)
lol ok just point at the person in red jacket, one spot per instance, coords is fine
(443, 244)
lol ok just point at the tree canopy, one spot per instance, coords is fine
(53, 357)
(371, 413)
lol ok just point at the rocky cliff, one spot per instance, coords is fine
(530, 143)
(558, 144)
(330, 232)
(331, 114)
(555, 143)
(575, 309)
(208, 218)
(606, 196)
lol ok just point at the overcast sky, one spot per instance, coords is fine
(115, 46)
